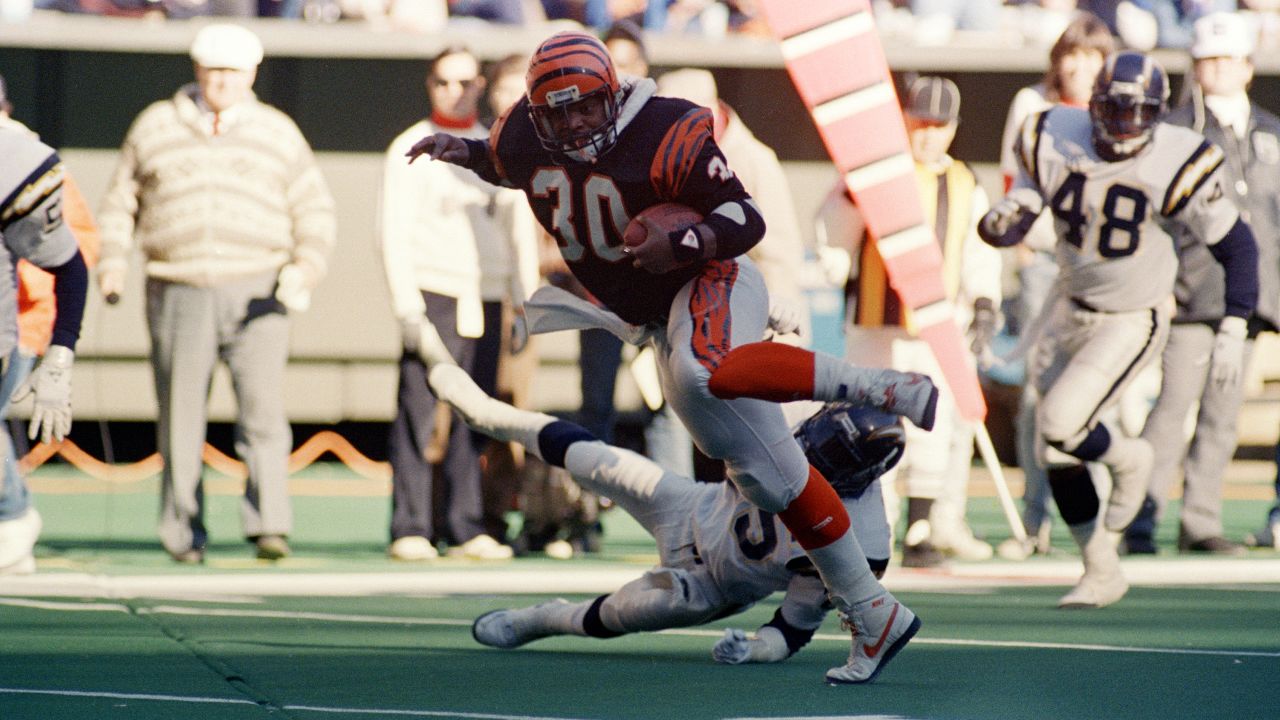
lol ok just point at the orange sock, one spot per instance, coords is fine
(765, 371)
(816, 517)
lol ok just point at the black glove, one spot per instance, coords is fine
(983, 329)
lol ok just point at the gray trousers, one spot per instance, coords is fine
(1186, 366)
(192, 328)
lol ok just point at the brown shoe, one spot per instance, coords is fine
(190, 556)
(1216, 545)
(271, 547)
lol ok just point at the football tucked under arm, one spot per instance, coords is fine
(664, 237)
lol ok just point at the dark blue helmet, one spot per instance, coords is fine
(852, 446)
(1129, 97)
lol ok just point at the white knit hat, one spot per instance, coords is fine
(226, 46)
(1222, 34)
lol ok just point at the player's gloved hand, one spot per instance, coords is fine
(50, 382)
(736, 647)
(784, 315)
(1228, 352)
(519, 332)
(292, 290)
(982, 331)
(1008, 221)
(440, 146)
(835, 264)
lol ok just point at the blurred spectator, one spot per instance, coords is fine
(625, 42)
(1175, 18)
(936, 465)
(1074, 62)
(506, 360)
(937, 20)
(223, 196)
(437, 222)
(780, 255)
(507, 12)
(1249, 137)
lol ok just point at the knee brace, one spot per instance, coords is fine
(1074, 493)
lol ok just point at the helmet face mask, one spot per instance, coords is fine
(1128, 99)
(573, 95)
(852, 446)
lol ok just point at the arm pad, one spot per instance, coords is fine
(70, 285)
(1237, 253)
(738, 226)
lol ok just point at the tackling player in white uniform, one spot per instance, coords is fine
(1120, 184)
(718, 553)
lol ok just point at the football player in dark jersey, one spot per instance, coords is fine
(592, 152)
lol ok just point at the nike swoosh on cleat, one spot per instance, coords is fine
(872, 650)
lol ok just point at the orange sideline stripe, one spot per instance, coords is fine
(787, 20)
(308, 453)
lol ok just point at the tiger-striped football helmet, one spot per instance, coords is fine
(574, 95)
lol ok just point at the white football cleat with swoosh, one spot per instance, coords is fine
(881, 627)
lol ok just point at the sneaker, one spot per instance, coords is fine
(482, 547)
(190, 556)
(1129, 479)
(509, 629)
(1214, 545)
(558, 550)
(880, 627)
(18, 541)
(961, 544)
(271, 547)
(922, 555)
(1095, 590)
(917, 550)
(1102, 583)
(412, 548)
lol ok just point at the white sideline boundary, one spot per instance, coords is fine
(839, 638)
(511, 578)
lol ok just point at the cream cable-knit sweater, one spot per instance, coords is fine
(206, 209)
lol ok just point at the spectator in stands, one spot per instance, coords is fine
(1176, 18)
(1074, 62)
(505, 12)
(437, 223)
(505, 361)
(780, 255)
(937, 20)
(936, 464)
(1249, 136)
(37, 316)
(223, 196)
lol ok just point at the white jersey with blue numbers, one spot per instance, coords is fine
(751, 561)
(1116, 220)
(31, 225)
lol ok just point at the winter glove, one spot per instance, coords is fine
(50, 382)
(784, 315)
(982, 331)
(292, 290)
(1008, 221)
(1228, 352)
(736, 647)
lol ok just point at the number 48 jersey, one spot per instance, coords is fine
(1117, 221)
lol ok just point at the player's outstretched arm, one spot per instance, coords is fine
(1008, 221)
(441, 146)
